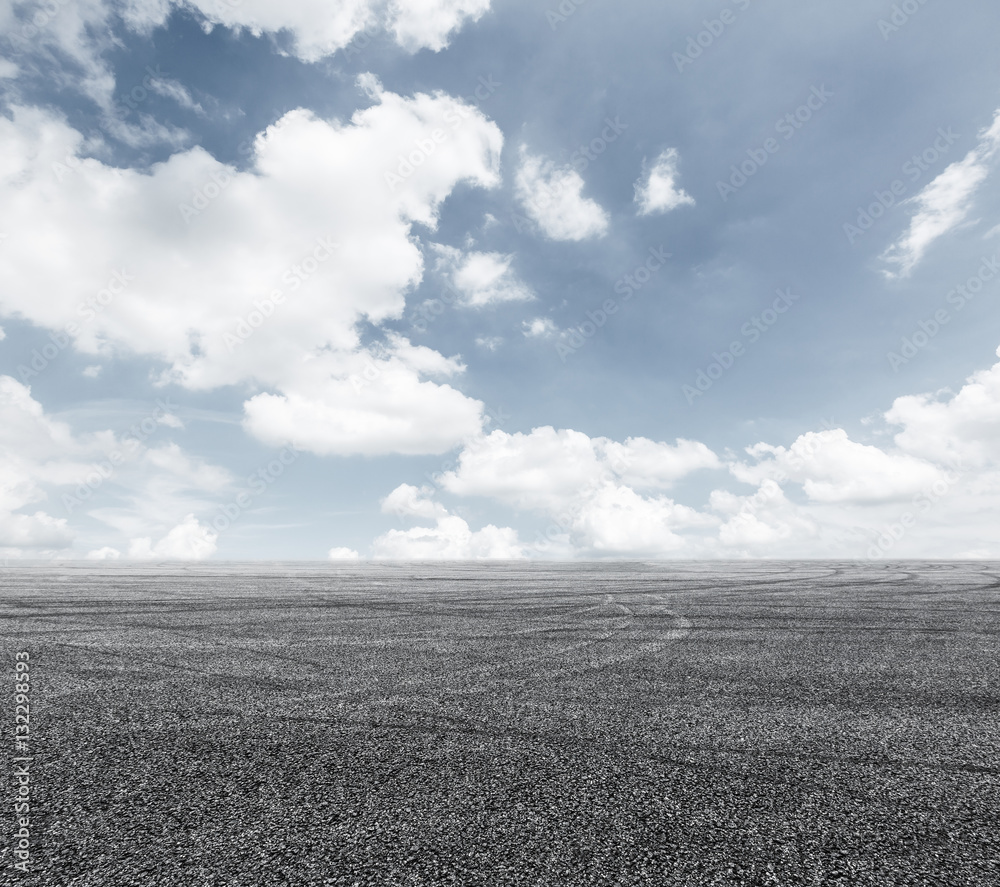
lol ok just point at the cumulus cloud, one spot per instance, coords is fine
(188, 541)
(49, 475)
(72, 39)
(944, 203)
(409, 501)
(107, 553)
(35, 451)
(449, 539)
(587, 486)
(343, 554)
(419, 24)
(833, 468)
(259, 276)
(480, 279)
(552, 197)
(961, 429)
(823, 495)
(548, 469)
(658, 191)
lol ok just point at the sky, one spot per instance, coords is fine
(499, 279)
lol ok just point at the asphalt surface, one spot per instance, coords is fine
(689, 724)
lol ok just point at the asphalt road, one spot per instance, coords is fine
(690, 724)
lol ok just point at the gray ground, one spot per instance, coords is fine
(761, 723)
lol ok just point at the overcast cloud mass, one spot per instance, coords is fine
(499, 279)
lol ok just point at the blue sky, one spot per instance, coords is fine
(474, 279)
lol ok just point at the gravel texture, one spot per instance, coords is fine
(661, 724)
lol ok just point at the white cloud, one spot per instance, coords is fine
(944, 203)
(409, 501)
(539, 328)
(332, 247)
(617, 521)
(188, 541)
(3, 335)
(70, 40)
(659, 193)
(50, 476)
(933, 490)
(103, 554)
(833, 468)
(419, 24)
(552, 197)
(587, 486)
(550, 469)
(961, 429)
(489, 343)
(172, 89)
(481, 279)
(92, 371)
(343, 554)
(170, 420)
(449, 539)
